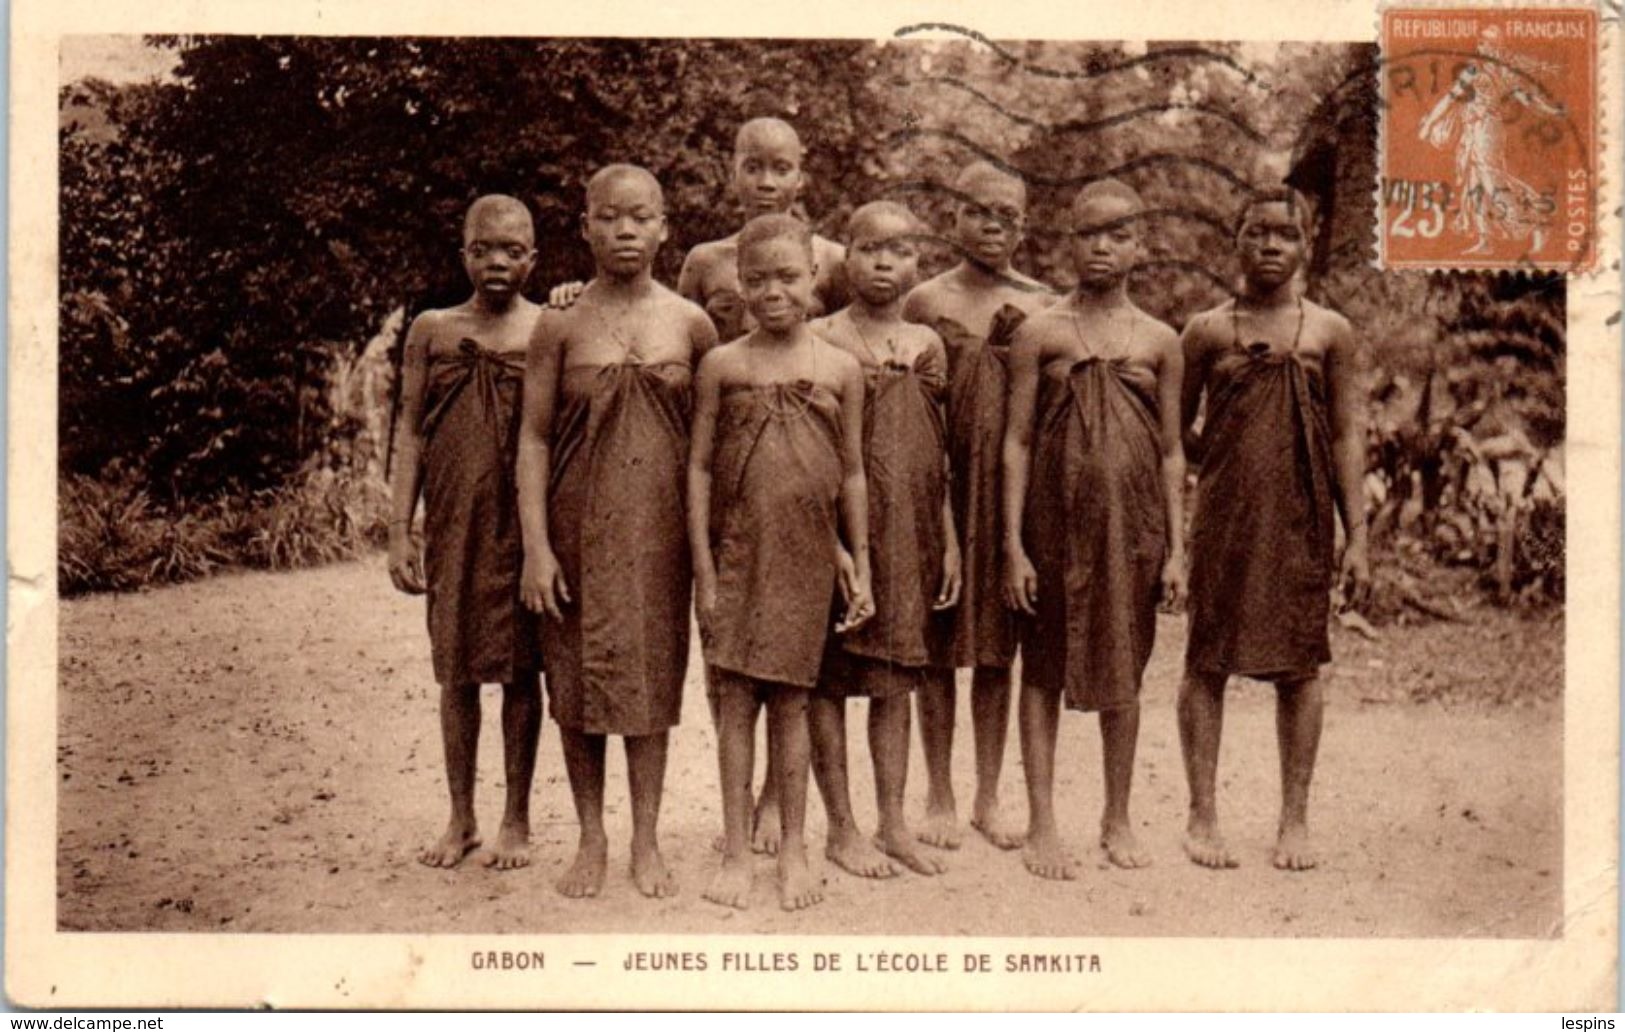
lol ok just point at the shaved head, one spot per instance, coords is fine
(770, 132)
(1294, 201)
(497, 208)
(611, 175)
(764, 228)
(875, 211)
(1102, 189)
(980, 174)
(1105, 201)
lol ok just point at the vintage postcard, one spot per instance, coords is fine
(490, 452)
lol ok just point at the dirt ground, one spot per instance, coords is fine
(259, 752)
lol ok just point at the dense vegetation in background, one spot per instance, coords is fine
(241, 244)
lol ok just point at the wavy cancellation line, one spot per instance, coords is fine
(1219, 225)
(1192, 53)
(1076, 126)
(899, 137)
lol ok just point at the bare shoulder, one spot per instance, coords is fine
(824, 327)
(677, 307)
(554, 323)
(924, 302)
(1155, 330)
(710, 252)
(1328, 323)
(841, 361)
(1042, 320)
(1024, 284)
(721, 363)
(527, 312)
(425, 323)
(919, 337)
(1203, 327)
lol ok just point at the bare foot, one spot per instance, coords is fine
(1293, 851)
(585, 878)
(940, 828)
(1047, 857)
(991, 822)
(1205, 846)
(512, 849)
(458, 841)
(854, 854)
(798, 889)
(1122, 847)
(898, 844)
(764, 836)
(730, 886)
(650, 874)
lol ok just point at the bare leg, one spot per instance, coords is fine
(764, 834)
(736, 759)
(788, 749)
(521, 733)
(990, 717)
(1045, 855)
(1119, 734)
(846, 846)
(460, 736)
(888, 744)
(936, 702)
(1299, 712)
(1201, 723)
(646, 771)
(584, 760)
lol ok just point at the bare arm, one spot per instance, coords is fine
(406, 478)
(541, 584)
(1021, 581)
(916, 309)
(702, 337)
(690, 279)
(1170, 385)
(936, 365)
(702, 438)
(832, 287)
(854, 494)
(1196, 351)
(1345, 386)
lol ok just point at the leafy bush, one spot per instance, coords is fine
(112, 537)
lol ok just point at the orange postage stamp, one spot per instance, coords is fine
(1489, 138)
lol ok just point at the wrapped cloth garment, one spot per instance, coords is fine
(903, 457)
(983, 628)
(776, 477)
(1262, 535)
(1096, 531)
(479, 631)
(616, 515)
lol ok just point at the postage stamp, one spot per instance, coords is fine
(1489, 138)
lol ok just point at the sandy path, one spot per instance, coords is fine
(259, 752)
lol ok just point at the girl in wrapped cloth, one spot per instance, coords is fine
(777, 448)
(454, 442)
(1093, 477)
(603, 455)
(914, 554)
(974, 307)
(767, 179)
(1282, 443)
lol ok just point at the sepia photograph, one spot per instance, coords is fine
(934, 488)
